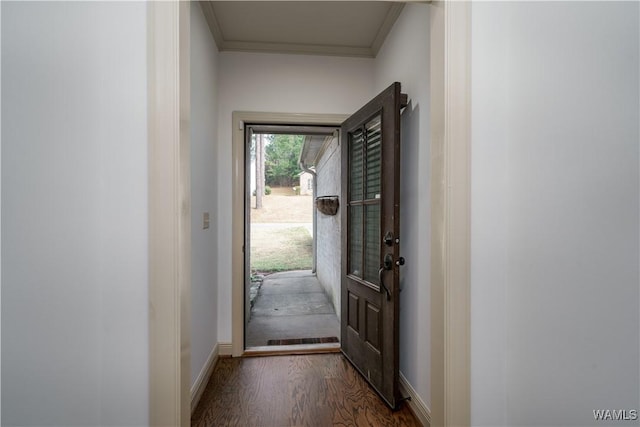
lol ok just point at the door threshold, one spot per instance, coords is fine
(281, 350)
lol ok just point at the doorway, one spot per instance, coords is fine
(450, 17)
(306, 124)
(288, 304)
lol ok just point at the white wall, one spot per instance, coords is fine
(488, 219)
(329, 258)
(404, 57)
(275, 83)
(555, 194)
(74, 214)
(204, 245)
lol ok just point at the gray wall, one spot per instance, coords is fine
(555, 194)
(329, 240)
(404, 57)
(74, 214)
(204, 245)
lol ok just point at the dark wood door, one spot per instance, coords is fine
(370, 141)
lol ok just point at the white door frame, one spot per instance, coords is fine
(450, 29)
(238, 119)
(169, 219)
(169, 213)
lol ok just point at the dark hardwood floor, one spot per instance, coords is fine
(307, 390)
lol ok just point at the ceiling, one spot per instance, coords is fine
(343, 28)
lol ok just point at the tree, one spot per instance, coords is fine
(281, 160)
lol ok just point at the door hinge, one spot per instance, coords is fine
(404, 100)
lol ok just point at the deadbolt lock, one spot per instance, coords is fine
(388, 239)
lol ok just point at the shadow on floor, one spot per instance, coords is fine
(289, 306)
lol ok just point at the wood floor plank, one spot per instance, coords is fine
(296, 390)
(308, 392)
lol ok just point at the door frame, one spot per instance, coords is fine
(450, 28)
(238, 119)
(169, 169)
(450, 34)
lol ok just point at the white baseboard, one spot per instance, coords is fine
(226, 348)
(203, 378)
(416, 404)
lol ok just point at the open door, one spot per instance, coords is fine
(370, 141)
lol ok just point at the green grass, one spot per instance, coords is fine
(274, 250)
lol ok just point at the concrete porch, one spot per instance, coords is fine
(290, 305)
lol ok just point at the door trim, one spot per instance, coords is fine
(238, 119)
(450, 30)
(169, 279)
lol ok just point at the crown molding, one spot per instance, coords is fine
(300, 48)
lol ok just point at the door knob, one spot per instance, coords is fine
(386, 265)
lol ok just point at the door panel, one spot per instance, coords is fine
(370, 141)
